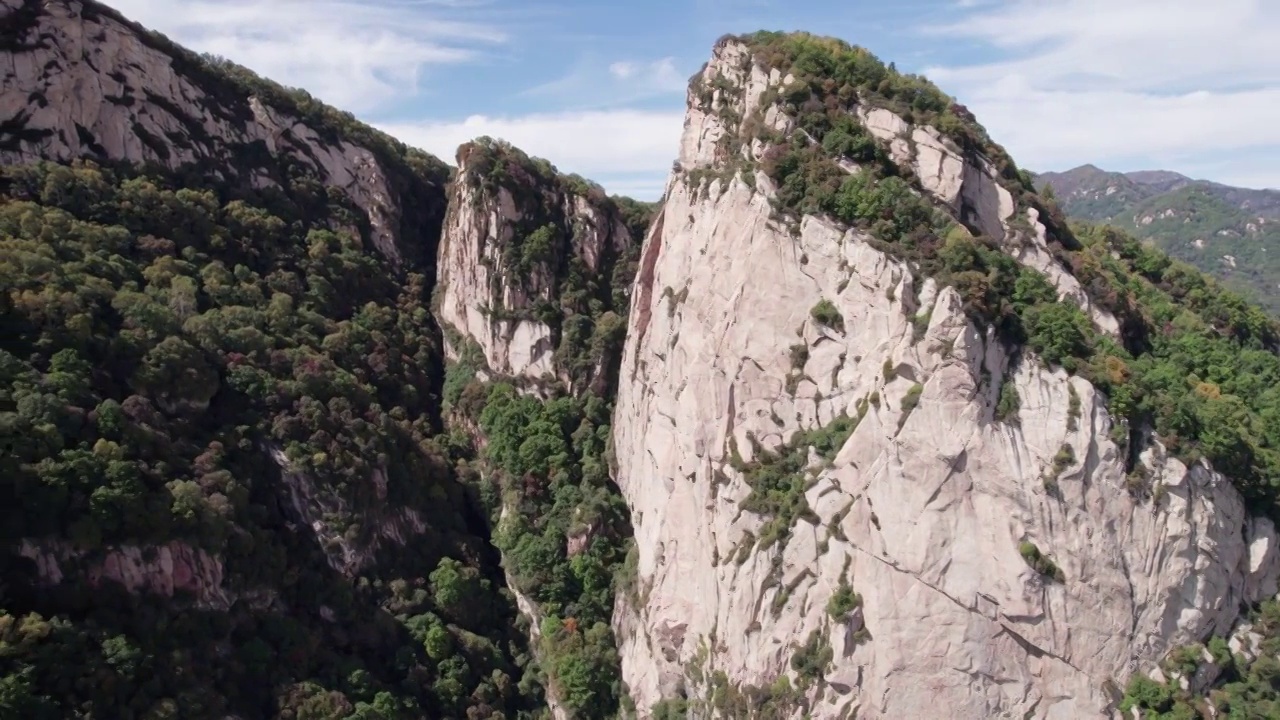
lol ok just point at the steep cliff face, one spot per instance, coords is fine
(838, 474)
(529, 261)
(877, 434)
(535, 268)
(162, 571)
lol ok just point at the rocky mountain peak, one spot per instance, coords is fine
(766, 90)
(1227, 232)
(1164, 179)
(875, 447)
(535, 266)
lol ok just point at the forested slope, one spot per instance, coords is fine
(1228, 232)
(225, 490)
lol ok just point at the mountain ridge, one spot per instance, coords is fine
(228, 488)
(305, 423)
(1160, 181)
(1230, 233)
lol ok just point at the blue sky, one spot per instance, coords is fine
(598, 87)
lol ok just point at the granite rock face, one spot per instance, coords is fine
(532, 265)
(1003, 565)
(512, 249)
(78, 81)
(927, 508)
(175, 567)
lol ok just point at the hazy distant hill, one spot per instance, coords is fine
(1233, 233)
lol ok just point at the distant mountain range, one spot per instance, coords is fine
(1232, 233)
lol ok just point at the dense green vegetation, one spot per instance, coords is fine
(563, 535)
(1194, 225)
(1230, 233)
(1244, 690)
(562, 527)
(159, 336)
(165, 332)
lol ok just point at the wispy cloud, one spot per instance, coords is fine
(658, 77)
(661, 74)
(593, 84)
(627, 151)
(353, 54)
(1170, 82)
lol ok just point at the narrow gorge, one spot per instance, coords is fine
(300, 422)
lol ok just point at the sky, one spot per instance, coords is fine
(598, 86)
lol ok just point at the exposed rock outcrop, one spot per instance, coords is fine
(518, 238)
(969, 187)
(324, 512)
(175, 567)
(535, 269)
(939, 550)
(178, 566)
(79, 81)
(931, 505)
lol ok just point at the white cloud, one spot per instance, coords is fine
(1169, 82)
(364, 55)
(627, 151)
(351, 54)
(660, 76)
(623, 70)
(592, 85)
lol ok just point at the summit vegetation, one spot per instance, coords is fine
(1194, 362)
(1195, 365)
